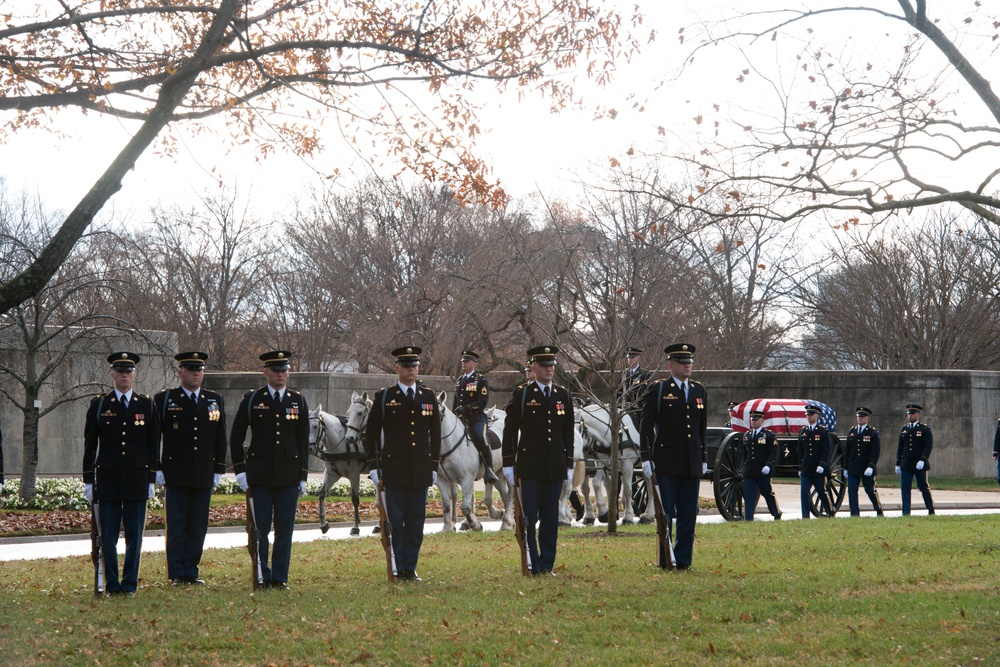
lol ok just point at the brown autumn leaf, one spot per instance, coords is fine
(698, 119)
(615, 163)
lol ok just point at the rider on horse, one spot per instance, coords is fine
(472, 393)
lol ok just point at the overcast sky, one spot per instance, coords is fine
(529, 148)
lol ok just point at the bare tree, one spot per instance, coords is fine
(154, 64)
(915, 296)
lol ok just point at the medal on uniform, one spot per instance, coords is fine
(140, 419)
(559, 408)
(701, 404)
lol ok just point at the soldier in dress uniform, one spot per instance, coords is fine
(996, 451)
(633, 384)
(192, 459)
(121, 438)
(674, 427)
(403, 441)
(814, 452)
(276, 464)
(538, 449)
(472, 393)
(912, 454)
(863, 449)
(760, 455)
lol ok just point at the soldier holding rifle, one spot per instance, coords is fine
(275, 466)
(538, 449)
(403, 442)
(121, 438)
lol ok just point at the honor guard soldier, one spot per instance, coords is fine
(529, 377)
(996, 451)
(674, 426)
(863, 450)
(121, 439)
(538, 449)
(633, 384)
(912, 454)
(275, 465)
(403, 442)
(472, 393)
(192, 459)
(814, 452)
(760, 455)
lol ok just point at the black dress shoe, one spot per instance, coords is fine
(414, 576)
(178, 581)
(196, 581)
(777, 517)
(278, 586)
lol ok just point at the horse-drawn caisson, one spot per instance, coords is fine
(785, 417)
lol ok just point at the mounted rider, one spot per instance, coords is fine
(472, 393)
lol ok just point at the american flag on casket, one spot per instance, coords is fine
(784, 416)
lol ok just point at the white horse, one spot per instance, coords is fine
(338, 442)
(595, 426)
(580, 484)
(496, 418)
(460, 467)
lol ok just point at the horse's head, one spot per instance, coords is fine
(443, 408)
(317, 429)
(357, 416)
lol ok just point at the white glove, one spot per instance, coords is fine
(869, 471)
(152, 492)
(434, 477)
(897, 470)
(704, 468)
(766, 470)
(88, 492)
(569, 475)
(647, 468)
(508, 473)
(920, 465)
(374, 475)
(160, 481)
(241, 481)
(302, 489)
(215, 480)
(819, 470)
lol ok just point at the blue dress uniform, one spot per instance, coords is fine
(633, 386)
(863, 449)
(760, 449)
(119, 460)
(193, 453)
(274, 463)
(403, 442)
(996, 451)
(472, 393)
(674, 436)
(538, 444)
(915, 443)
(813, 451)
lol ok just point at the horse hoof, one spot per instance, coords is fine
(354, 531)
(603, 518)
(464, 526)
(589, 521)
(564, 524)
(376, 530)
(643, 521)
(324, 528)
(478, 528)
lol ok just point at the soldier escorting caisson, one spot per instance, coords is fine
(862, 452)
(472, 394)
(760, 456)
(813, 451)
(912, 458)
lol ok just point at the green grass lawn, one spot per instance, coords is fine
(917, 590)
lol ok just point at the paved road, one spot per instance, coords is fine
(61, 546)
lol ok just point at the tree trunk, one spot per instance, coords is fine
(29, 454)
(615, 419)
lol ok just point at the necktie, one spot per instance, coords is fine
(194, 397)
(409, 393)
(125, 401)
(277, 397)
(546, 392)
(684, 386)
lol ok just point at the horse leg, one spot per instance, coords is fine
(600, 484)
(469, 505)
(356, 500)
(588, 504)
(446, 505)
(507, 493)
(626, 475)
(324, 489)
(564, 517)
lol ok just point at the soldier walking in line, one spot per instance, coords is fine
(862, 452)
(121, 438)
(472, 394)
(760, 455)
(538, 450)
(912, 458)
(276, 464)
(674, 428)
(192, 459)
(403, 442)
(814, 452)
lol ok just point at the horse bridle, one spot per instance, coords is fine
(320, 431)
(465, 435)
